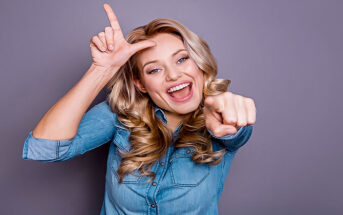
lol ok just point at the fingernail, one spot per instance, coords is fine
(110, 47)
(103, 48)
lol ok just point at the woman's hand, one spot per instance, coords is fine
(109, 48)
(227, 112)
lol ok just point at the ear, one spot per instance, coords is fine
(139, 85)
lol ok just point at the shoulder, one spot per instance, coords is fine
(104, 109)
(103, 112)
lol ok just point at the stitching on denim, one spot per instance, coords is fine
(57, 149)
(114, 159)
(118, 126)
(119, 145)
(187, 185)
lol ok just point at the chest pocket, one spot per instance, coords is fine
(185, 172)
(121, 140)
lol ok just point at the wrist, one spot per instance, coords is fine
(106, 72)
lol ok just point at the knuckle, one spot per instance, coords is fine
(250, 101)
(207, 99)
(108, 28)
(232, 120)
(239, 99)
(241, 123)
(228, 94)
(94, 39)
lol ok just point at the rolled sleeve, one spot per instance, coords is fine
(234, 141)
(44, 149)
(95, 129)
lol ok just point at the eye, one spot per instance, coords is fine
(183, 59)
(152, 71)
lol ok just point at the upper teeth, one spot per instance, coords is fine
(178, 87)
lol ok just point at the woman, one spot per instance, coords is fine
(173, 127)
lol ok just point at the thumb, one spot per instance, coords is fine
(220, 130)
(141, 45)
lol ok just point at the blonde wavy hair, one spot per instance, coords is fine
(149, 136)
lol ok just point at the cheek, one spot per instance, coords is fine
(195, 71)
(199, 76)
(153, 86)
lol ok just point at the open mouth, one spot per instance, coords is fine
(181, 92)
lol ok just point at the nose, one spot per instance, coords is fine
(173, 74)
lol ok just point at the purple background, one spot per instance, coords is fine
(286, 55)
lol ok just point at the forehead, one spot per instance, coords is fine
(166, 44)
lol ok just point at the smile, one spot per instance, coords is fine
(178, 87)
(181, 92)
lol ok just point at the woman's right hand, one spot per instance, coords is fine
(109, 48)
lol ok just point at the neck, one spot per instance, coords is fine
(174, 120)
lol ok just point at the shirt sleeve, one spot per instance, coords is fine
(233, 142)
(95, 129)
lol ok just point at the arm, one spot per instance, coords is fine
(96, 128)
(233, 142)
(63, 118)
(65, 131)
(60, 134)
(230, 119)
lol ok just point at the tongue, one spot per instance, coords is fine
(179, 94)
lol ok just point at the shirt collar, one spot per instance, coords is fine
(160, 114)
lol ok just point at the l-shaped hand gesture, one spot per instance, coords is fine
(109, 48)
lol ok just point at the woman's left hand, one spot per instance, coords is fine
(227, 112)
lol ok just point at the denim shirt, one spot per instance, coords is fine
(181, 186)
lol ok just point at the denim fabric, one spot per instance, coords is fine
(180, 187)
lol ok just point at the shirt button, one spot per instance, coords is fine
(154, 183)
(153, 206)
(162, 163)
(188, 151)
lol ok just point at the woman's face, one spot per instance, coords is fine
(172, 79)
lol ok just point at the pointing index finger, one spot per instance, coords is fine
(112, 18)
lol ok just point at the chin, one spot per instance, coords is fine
(188, 109)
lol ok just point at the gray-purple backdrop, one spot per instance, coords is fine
(286, 55)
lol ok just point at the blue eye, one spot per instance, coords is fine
(179, 61)
(152, 71)
(185, 58)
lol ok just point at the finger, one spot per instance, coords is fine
(96, 40)
(223, 104)
(214, 104)
(251, 111)
(241, 111)
(219, 129)
(102, 37)
(109, 38)
(208, 101)
(229, 114)
(112, 18)
(207, 111)
(140, 46)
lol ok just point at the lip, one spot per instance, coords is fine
(189, 96)
(174, 85)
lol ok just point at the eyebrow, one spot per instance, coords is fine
(153, 61)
